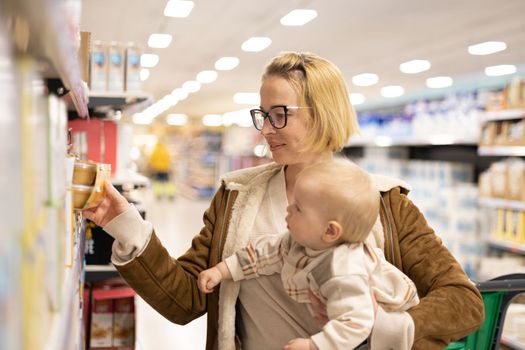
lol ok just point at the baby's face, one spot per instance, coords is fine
(305, 219)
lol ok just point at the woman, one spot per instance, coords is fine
(305, 117)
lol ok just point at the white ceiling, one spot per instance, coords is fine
(359, 36)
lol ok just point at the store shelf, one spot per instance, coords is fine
(501, 203)
(503, 115)
(512, 343)
(100, 272)
(49, 40)
(115, 99)
(502, 151)
(431, 140)
(509, 246)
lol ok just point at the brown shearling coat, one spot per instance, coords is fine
(450, 307)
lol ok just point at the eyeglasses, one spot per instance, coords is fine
(277, 115)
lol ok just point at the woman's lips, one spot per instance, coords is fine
(276, 146)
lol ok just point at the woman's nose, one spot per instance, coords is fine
(267, 127)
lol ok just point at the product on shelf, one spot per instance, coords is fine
(116, 67)
(99, 66)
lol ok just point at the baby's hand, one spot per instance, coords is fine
(300, 344)
(208, 279)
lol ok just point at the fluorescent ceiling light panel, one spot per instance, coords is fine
(191, 86)
(149, 60)
(141, 118)
(356, 98)
(365, 79)
(207, 76)
(212, 120)
(144, 74)
(159, 41)
(487, 48)
(226, 63)
(178, 8)
(392, 91)
(180, 94)
(256, 44)
(177, 119)
(414, 66)
(246, 98)
(298, 17)
(439, 82)
(503, 69)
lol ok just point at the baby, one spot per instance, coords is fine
(335, 206)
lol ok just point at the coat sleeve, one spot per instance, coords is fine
(169, 285)
(451, 307)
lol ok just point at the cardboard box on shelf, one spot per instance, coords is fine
(83, 55)
(485, 184)
(498, 185)
(516, 180)
(116, 67)
(515, 132)
(124, 322)
(500, 137)
(98, 66)
(488, 134)
(101, 323)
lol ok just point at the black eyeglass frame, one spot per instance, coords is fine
(268, 116)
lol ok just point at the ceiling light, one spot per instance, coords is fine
(256, 44)
(414, 66)
(180, 94)
(240, 117)
(439, 82)
(191, 86)
(207, 76)
(226, 63)
(178, 8)
(144, 74)
(392, 91)
(212, 120)
(246, 98)
(170, 100)
(177, 119)
(141, 118)
(357, 99)
(487, 48)
(149, 60)
(298, 17)
(159, 41)
(365, 79)
(503, 69)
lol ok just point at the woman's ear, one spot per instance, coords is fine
(333, 232)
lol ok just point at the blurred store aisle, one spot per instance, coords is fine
(175, 222)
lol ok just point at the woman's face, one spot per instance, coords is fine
(285, 144)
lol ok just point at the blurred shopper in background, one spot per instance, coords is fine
(160, 169)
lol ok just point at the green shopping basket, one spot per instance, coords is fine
(497, 295)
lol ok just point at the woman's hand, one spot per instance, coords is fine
(111, 205)
(319, 309)
(208, 279)
(300, 344)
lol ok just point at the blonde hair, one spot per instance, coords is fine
(320, 85)
(347, 195)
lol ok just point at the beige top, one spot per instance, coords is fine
(278, 318)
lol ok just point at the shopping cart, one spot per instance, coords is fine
(497, 295)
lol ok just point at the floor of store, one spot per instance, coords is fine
(175, 222)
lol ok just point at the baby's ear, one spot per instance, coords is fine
(333, 232)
